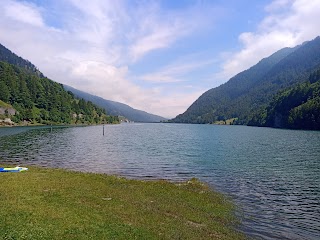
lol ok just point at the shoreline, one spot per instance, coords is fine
(149, 209)
(57, 125)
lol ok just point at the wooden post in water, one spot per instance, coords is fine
(103, 130)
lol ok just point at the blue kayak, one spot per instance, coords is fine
(15, 169)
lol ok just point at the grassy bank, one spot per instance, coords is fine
(57, 204)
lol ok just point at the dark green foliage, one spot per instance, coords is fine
(306, 116)
(38, 99)
(297, 107)
(244, 94)
(41, 100)
(4, 92)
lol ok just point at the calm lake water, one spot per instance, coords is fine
(272, 175)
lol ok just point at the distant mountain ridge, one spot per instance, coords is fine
(112, 108)
(116, 108)
(253, 88)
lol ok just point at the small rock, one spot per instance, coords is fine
(107, 199)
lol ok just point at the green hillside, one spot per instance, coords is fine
(297, 107)
(27, 96)
(38, 99)
(248, 91)
(4, 105)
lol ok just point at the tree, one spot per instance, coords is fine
(4, 92)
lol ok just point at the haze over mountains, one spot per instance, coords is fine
(116, 108)
(246, 93)
(255, 96)
(112, 107)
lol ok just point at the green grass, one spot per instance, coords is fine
(58, 204)
(3, 104)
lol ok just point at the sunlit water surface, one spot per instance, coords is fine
(272, 175)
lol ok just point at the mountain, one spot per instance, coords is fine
(113, 108)
(244, 94)
(116, 108)
(7, 56)
(297, 107)
(27, 96)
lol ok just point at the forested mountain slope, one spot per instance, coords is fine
(27, 96)
(116, 108)
(40, 100)
(297, 107)
(249, 90)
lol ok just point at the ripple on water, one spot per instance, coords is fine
(273, 175)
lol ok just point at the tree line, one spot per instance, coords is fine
(38, 99)
(297, 107)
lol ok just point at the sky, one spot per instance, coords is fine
(156, 56)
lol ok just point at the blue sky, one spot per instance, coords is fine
(157, 56)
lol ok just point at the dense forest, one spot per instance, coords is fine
(297, 107)
(27, 96)
(247, 92)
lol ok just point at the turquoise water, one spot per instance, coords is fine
(273, 175)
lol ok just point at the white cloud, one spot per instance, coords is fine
(158, 29)
(177, 71)
(94, 44)
(177, 102)
(158, 34)
(23, 12)
(110, 79)
(287, 24)
(161, 38)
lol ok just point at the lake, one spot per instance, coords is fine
(272, 175)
